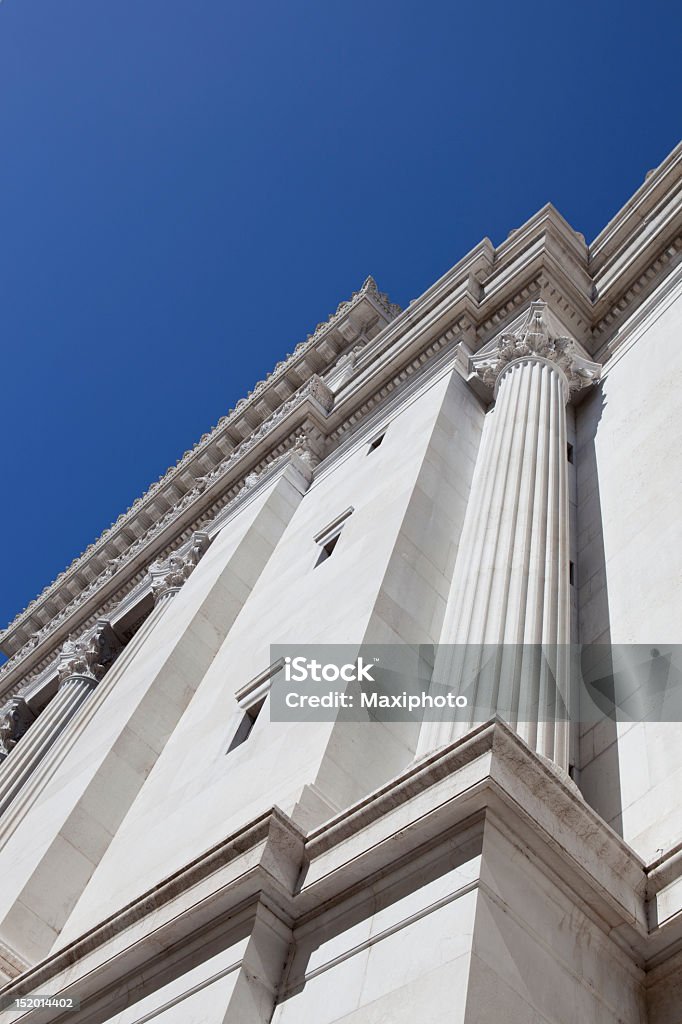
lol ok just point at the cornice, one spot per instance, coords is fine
(637, 248)
(593, 289)
(612, 315)
(299, 422)
(362, 316)
(656, 198)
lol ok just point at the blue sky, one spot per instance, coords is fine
(186, 189)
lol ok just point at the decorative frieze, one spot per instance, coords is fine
(315, 388)
(308, 443)
(318, 390)
(306, 449)
(370, 308)
(345, 367)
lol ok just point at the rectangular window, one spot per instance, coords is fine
(373, 445)
(245, 726)
(327, 549)
(251, 699)
(328, 538)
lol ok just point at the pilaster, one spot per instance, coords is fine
(82, 663)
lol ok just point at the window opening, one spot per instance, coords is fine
(328, 538)
(327, 549)
(245, 727)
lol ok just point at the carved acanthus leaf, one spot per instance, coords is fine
(91, 654)
(15, 718)
(169, 575)
(536, 339)
(303, 448)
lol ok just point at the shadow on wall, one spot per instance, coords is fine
(599, 765)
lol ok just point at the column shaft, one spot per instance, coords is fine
(28, 754)
(508, 616)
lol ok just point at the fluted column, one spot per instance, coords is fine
(82, 664)
(507, 625)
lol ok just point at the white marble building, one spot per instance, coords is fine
(499, 462)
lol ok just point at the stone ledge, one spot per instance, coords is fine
(489, 775)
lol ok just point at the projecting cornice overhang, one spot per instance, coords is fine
(219, 453)
(653, 207)
(636, 249)
(593, 290)
(297, 427)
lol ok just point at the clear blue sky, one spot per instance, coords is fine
(186, 189)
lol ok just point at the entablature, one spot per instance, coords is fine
(354, 360)
(365, 314)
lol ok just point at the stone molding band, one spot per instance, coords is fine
(476, 295)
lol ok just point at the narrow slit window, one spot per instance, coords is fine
(327, 549)
(571, 573)
(328, 538)
(246, 725)
(375, 443)
(569, 453)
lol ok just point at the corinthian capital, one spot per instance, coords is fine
(15, 718)
(91, 654)
(538, 337)
(169, 575)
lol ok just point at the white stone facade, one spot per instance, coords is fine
(500, 463)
